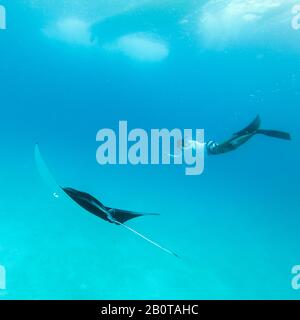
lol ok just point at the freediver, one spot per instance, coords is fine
(236, 141)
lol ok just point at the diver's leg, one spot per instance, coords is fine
(275, 134)
(251, 128)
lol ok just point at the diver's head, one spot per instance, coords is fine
(185, 143)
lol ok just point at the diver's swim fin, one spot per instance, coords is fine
(251, 128)
(275, 134)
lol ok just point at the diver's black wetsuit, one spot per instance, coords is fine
(241, 137)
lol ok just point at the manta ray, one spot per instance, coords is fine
(93, 205)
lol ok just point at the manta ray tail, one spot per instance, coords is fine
(150, 241)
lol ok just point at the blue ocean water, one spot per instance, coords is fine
(69, 69)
